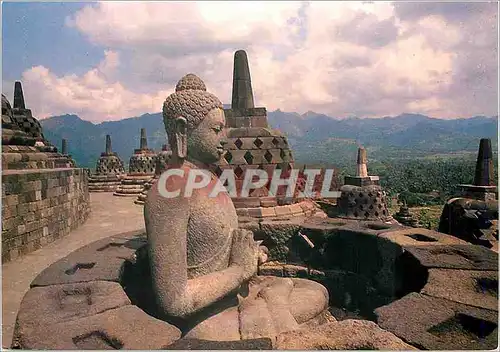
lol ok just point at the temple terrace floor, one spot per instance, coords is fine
(110, 215)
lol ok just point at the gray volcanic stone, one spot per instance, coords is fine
(60, 303)
(122, 328)
(472, 287)
(197, 344)
(467, 257)
(100, 260)
(436, 323)
(277, 235)
(343, 335)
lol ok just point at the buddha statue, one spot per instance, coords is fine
(203, 267)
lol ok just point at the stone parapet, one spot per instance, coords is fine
(40, 206)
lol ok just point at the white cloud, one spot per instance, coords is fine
(337, 58)
(92, 96)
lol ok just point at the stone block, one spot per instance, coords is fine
(271, 269)
(343, 335)
(466, 257)
(438, 324)
(283, 210)
(420, 237)
(261, 212)
(290, 270)
(197, 344)
(471, 287)
(126, 327)
(59, 303)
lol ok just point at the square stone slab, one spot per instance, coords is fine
(420, 237)
(466, 257)
(472, 287)
(436, 324)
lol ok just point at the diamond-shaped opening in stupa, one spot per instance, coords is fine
(258, 142)
(238, 143)
(238, 171)
(268, 156)
(248, 157)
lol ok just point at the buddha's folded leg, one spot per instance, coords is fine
(255, 319)
(307, 300)
(222, 326)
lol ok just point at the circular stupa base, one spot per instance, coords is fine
(132, 185)
(104, 183)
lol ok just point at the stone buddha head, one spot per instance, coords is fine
(194, 121)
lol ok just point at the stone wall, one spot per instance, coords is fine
(40, 206)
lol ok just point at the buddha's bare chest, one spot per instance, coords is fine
(209, 237)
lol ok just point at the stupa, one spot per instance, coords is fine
(252, 144)
(23, 143)
(140, 170)
(474, 216)
(362, 198)
(404, 217)
(162, 160)
(108, 172)
(44, 196)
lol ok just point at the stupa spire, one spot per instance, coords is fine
(18, 96)
(242, 85)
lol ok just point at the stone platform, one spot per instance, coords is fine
(132, 185)
(104, 183)
(431, 290)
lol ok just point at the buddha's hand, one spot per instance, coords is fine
(245, 252)
(263, 253)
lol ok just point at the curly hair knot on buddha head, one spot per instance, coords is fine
(191, 101)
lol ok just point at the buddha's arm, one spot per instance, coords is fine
(166, 225)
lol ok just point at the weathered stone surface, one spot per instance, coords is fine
(277, 235)
(196, 344)
(40, 206)
(122, 328)
(58, 303)
(420, 237)
(343, 335)
(473, 220)
(362, 203)
(435, 323)
(468, 257)
(475, 288)
(101, 260)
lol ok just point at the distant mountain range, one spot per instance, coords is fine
(315, 138)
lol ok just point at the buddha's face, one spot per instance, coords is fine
(206, 141)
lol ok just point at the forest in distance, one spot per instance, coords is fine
(419, 159)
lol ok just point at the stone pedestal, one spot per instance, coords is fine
(141, 170)
(474, 217)
(404, 217)
(109, 171)
(252, 144)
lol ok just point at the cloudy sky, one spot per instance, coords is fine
(112, 60)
